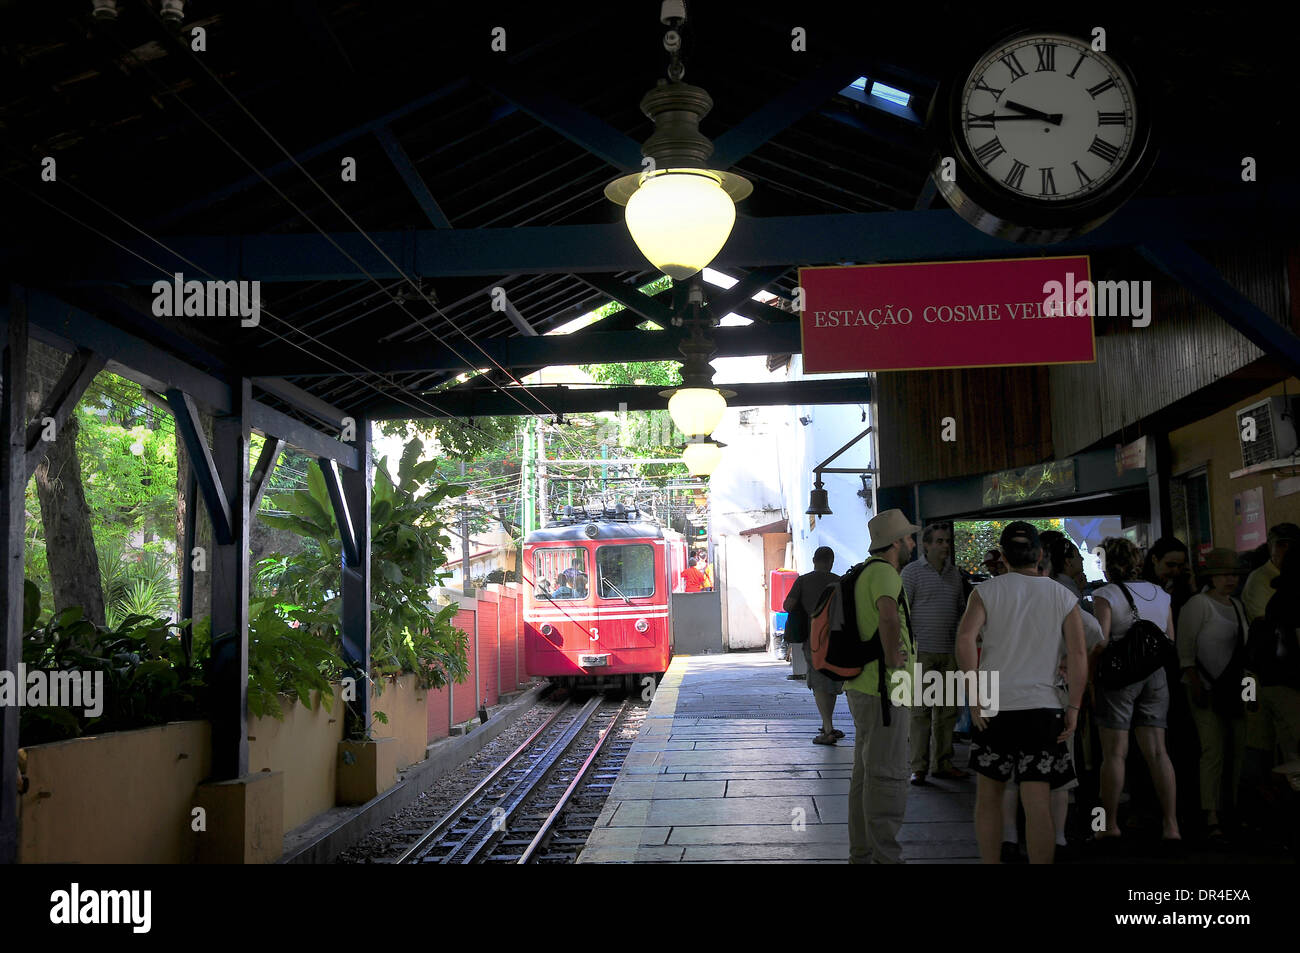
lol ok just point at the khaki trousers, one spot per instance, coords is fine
(939, 720)
(1216, 733)
(878, 791)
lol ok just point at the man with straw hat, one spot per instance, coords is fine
(878, 790)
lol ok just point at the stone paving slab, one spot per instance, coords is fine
(724, 771)
(665, 788)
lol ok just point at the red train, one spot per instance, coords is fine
(598, 597)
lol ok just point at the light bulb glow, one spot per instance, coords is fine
(680, 219)
(697, 411)
(701, 459)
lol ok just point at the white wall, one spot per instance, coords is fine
(766, 476)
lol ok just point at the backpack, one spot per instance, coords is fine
(1273, 652)
(838, 650)
(1143, 649)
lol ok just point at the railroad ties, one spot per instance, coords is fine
(540, 804)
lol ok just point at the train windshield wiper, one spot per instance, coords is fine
(616, 589)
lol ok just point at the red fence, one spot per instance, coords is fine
(492, 620)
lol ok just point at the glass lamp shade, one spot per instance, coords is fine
(702, 459)
(680, 219)
(697, 411)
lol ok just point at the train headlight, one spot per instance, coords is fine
(548, 630)
(642, 625)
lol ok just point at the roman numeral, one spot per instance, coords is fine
(1013, 64)
(1084, 178)
(989, 151)
(1046, 57)
(1112, 119)
(1016, 175)
(1049, 183)
(1101, 87)
(980, 84)
(1102, 148)
(979, 122)
(1082, 57)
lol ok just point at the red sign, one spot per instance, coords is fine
(947, 314)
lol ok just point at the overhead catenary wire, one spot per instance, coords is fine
(418, 290)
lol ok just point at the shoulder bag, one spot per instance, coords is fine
(1143, 649)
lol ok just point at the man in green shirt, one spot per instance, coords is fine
(878, 791)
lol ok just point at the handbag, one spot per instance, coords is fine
(1225, 691)
(796, 625)
(1142, 651)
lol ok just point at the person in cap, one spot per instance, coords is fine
(878, 788)
(994, 564)
(1023, 617)
(805, 592)
(935, 599)
(1210, 627)
(1259, 584)
(1143, 705)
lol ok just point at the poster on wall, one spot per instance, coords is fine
(996, 313)
(1248, 513)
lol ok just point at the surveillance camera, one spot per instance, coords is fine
(805, 420)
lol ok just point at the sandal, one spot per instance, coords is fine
(837, 733)
(824, 739)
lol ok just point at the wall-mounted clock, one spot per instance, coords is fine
(1050, 138)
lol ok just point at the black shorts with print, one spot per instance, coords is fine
(1022, 746)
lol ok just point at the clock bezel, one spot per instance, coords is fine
(1010, 208)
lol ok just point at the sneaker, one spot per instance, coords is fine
(918, 778)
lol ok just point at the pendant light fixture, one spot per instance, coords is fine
(679, 212)
(697, 406)
(702, 456)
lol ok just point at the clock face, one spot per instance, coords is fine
(1048, 119)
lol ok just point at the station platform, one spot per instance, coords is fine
(725, 769)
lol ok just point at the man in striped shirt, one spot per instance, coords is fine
(934, 595)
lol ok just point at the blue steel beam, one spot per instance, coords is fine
(593, 347)
(248, 181)
(1201, 278)
(411, 176)
(870, 237)
(578, 126)
(783, 111)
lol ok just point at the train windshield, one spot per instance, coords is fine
(560, 573)
(625, 571)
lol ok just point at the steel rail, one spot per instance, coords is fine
(547, 824)
(455, 812)
(520, 791)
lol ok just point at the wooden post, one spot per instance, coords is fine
(13, 477)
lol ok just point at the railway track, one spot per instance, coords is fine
(540, 803)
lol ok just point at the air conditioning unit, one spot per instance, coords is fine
(1273, 423)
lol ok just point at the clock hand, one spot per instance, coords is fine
(1053, 118)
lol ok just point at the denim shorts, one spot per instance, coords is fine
(1143, 704)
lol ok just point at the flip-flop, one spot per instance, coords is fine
(824, 739)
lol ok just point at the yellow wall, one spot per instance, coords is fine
(126, 796)
(407, 708)
(305, 747)
(123, 797)
(1213, 442)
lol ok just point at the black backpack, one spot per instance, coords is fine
(1273, 652)
(1143, 649)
